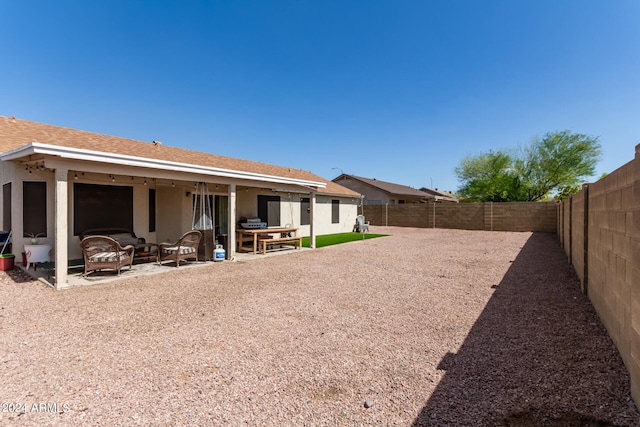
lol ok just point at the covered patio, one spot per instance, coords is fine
(158, 208)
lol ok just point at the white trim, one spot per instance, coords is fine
(126, 160)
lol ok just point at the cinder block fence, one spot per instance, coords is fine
(599, 229)
(522, 216)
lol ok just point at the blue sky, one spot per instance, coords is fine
(400, 91)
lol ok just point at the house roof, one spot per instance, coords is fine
(16, 134)
(440, 195)
(388, 187)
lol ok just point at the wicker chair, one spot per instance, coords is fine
(102, 253)
(185, 248)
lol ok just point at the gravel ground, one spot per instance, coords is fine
(425, 327)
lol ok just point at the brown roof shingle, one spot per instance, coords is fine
(15, 133)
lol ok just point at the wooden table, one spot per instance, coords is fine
(253, 235)
(145, 251)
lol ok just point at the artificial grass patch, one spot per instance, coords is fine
(336, 239)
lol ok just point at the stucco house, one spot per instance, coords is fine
(57, 182)
(378, 192)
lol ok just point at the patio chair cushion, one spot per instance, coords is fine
(107, 256)
(183, 249)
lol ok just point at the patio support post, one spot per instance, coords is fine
(312, 220)
(231, 240)
(61, 227)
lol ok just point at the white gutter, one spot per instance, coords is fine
(143, 162)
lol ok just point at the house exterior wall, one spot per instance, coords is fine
(173, 213)
(348, 213)
(19, 176)
(247, 206)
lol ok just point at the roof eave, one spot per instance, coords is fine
(134, 161)
(349, 196)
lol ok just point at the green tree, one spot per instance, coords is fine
(553, 166)
(488, 177)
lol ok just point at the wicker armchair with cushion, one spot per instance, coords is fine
(105, 253)
(185, 248)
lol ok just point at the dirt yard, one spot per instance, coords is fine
(425, 327)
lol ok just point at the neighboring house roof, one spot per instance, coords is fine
(440, 195)
(16, 134)
(389, 187)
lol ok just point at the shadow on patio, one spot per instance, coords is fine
(537, 356)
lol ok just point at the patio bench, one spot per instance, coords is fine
(124, 236)
(265, 243)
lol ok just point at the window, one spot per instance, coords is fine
(34, 208)
(373, 202)
(6, 206)
(152, 209)
(222, 215)
(305, 210)
(102, 206)
(335, 211)
(269, 210)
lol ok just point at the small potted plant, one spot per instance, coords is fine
(34, 237)
(7, 262)
(7, 259)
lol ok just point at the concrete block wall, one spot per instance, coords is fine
(465, 216)
(564, 226)
(375, 214)
(523, 216)
(601, 236)
(578, 242)
(532, 216)
(413, 215)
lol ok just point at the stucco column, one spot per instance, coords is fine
(61, 227)
(231, 238)
(312, 219)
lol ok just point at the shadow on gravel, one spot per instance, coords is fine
(537, 356)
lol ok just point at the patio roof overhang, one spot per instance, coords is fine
(41, 149)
